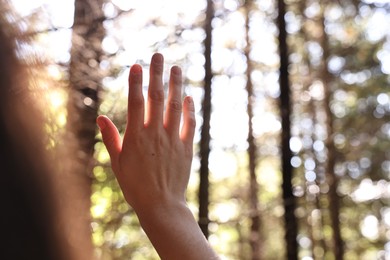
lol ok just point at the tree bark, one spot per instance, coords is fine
(205, 131)
(316, 225)
(291, 226)
(332, 179)
(255, 236)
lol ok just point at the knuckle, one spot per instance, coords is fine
(175, 105)
(157, 95)
(188, 151)
(136, 102)
(158, 70)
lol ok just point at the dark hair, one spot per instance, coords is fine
(26, 192)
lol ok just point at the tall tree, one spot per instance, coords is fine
(83, 101)
(332, 179)
(291, 225)
(313, 108)
(205, 131)
(255, 236)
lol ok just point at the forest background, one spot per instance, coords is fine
(292, 151)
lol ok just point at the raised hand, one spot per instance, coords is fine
(152, 163)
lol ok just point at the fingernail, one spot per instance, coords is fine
(136, 69)
(176, 70)
(158, 58)
(189, 100)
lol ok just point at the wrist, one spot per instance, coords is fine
(162, 210)
(174, 232)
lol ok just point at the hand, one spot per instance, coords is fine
(152, 164)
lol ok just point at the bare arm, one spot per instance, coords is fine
(152, 163)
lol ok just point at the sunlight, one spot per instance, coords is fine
(370, 227)
(61, 11)
(26, 7)
(225, 211)
(266, 123)
(136, 29)
(386, 216)
(369, 190)
(125, 5)
(295, 144)
(109, 45)
(222, 170)
(377, 1)
(99, 209)
(375, 32)
(56, 99)
(384, 57)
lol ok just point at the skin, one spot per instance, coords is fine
(152, 163)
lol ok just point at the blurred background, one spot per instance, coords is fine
(292, 150)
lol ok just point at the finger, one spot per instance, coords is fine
(174, 105)
(156, 91)
(136, 107)
(111, 137)
(188, 130)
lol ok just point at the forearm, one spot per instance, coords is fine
(174, 232)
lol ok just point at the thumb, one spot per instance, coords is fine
(111, 137)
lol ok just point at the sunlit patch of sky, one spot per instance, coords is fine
(369, 190)
(26, 7)
(384, 56)
(370, 227)
(61, 12)
(375, 32)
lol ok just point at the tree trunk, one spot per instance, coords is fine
(255, 237)
(205, 131)
(332, 179)
(85, 77)
(291, 225)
